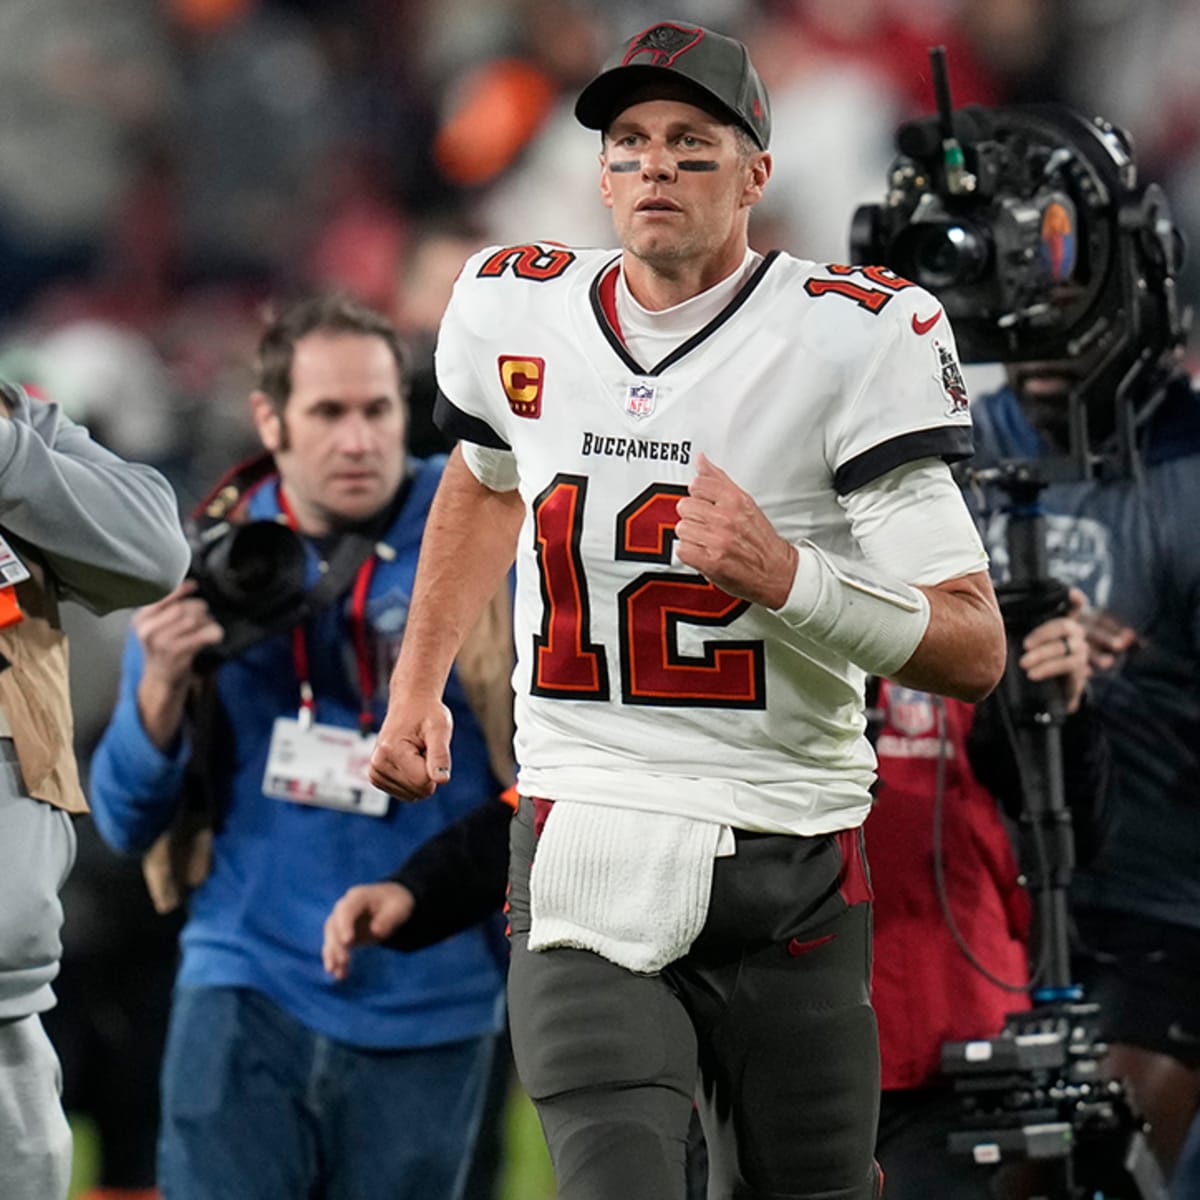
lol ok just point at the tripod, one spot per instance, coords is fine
(1037, 1092)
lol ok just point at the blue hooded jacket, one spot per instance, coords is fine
(278, 867)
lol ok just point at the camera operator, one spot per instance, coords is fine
(1132, 545)
(277, 1081)
(1048, 254)
(76, 523)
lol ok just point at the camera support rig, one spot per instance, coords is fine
(1037, 1092)
(1028, 224)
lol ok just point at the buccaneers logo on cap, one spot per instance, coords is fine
(661, 45)
(522, 379)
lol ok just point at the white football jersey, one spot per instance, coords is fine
(638, 682)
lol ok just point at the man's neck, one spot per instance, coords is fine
(659, 286)
(304, 518)
(325, 527)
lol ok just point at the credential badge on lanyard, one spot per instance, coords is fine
(12, 572)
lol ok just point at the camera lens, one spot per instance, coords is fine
(255, 570)
(941, 254)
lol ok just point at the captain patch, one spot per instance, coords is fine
(523, 379)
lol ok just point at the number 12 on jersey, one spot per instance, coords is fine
(650, 612)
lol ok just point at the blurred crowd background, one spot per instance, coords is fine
(167, 167)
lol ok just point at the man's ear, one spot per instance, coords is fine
(760, 172)
(268, 421)
(605, 183)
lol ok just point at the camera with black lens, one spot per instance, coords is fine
(1029, 225)
(252, 576)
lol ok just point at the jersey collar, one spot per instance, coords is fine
(603, 295)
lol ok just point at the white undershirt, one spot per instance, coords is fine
(651, 336)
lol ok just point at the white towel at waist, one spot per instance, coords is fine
(630, 886)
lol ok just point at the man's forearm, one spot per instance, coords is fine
(134, 785)
(161, 707)
(457, 877)
(963, 651)
(468, 546)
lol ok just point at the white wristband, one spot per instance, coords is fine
(872, 619)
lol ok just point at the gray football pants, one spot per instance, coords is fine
(37, 850)
(35, 1139)
(766, 1022)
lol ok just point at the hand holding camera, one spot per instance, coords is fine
(172, 631)
(251, 576)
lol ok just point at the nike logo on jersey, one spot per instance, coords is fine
(796, 947)
(922, 327)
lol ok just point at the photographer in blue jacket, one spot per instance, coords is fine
(237, 756)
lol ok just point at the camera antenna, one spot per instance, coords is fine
(958, 179)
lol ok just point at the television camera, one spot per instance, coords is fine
(1029, 224)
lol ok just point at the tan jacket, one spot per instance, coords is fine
(88, 525)
(35, 694)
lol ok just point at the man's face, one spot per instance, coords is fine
(1044, 390)
(339, 441)
(678, 185)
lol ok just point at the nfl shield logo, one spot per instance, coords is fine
(639, 400)
(909, 711)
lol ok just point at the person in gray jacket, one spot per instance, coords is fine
(76, 523)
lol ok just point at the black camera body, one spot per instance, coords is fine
(1025, 256)
(1039, 1094)
(252, 576)
(1030, 227)
(252, 573)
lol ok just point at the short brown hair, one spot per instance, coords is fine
(333, 312)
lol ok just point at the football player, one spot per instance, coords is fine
(724, 480)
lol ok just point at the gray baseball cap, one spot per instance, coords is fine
(717, 65)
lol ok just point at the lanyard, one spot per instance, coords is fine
(358, 633)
